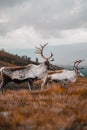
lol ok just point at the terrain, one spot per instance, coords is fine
(54, 108)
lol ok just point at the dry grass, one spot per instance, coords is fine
(3, 63)
(54, 108)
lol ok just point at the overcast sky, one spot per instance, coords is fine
(26, 23)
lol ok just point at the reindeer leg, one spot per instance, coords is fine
(42, 85)
(65, 83)
(49, 82)
(5, 80)
(45, 81)
(30, 84)
(2, 85)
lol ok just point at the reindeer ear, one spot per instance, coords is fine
(52, 59)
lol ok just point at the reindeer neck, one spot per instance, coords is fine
(76, 71)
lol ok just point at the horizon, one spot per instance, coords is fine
(63, 54)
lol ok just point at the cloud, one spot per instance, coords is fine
(27, 37)
(9, 3)
(23, 38)
(56, 22)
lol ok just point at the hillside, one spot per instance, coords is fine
(7, 59)
(3, 63)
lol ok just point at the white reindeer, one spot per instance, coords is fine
(27, 73)
(66, 75)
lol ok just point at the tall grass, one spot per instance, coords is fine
(54, 108)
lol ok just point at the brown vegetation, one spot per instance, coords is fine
(54, 108)
(3, 63)
(14, 59)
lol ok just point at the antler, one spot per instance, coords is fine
(76, 63)
(40, 51)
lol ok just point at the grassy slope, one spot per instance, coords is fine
(5, 56)
(12, 59)
(3, 63)
(54, 108)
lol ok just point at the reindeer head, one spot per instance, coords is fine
(77, 69)
(47, 59)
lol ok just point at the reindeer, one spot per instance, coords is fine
(27, 73)
(66, 75)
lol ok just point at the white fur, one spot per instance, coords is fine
(64, 76)
(29, 71)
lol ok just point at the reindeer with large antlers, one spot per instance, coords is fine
(66, 75)
(27, 73)
(45, 63)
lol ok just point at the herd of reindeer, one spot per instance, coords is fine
(32, 72)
